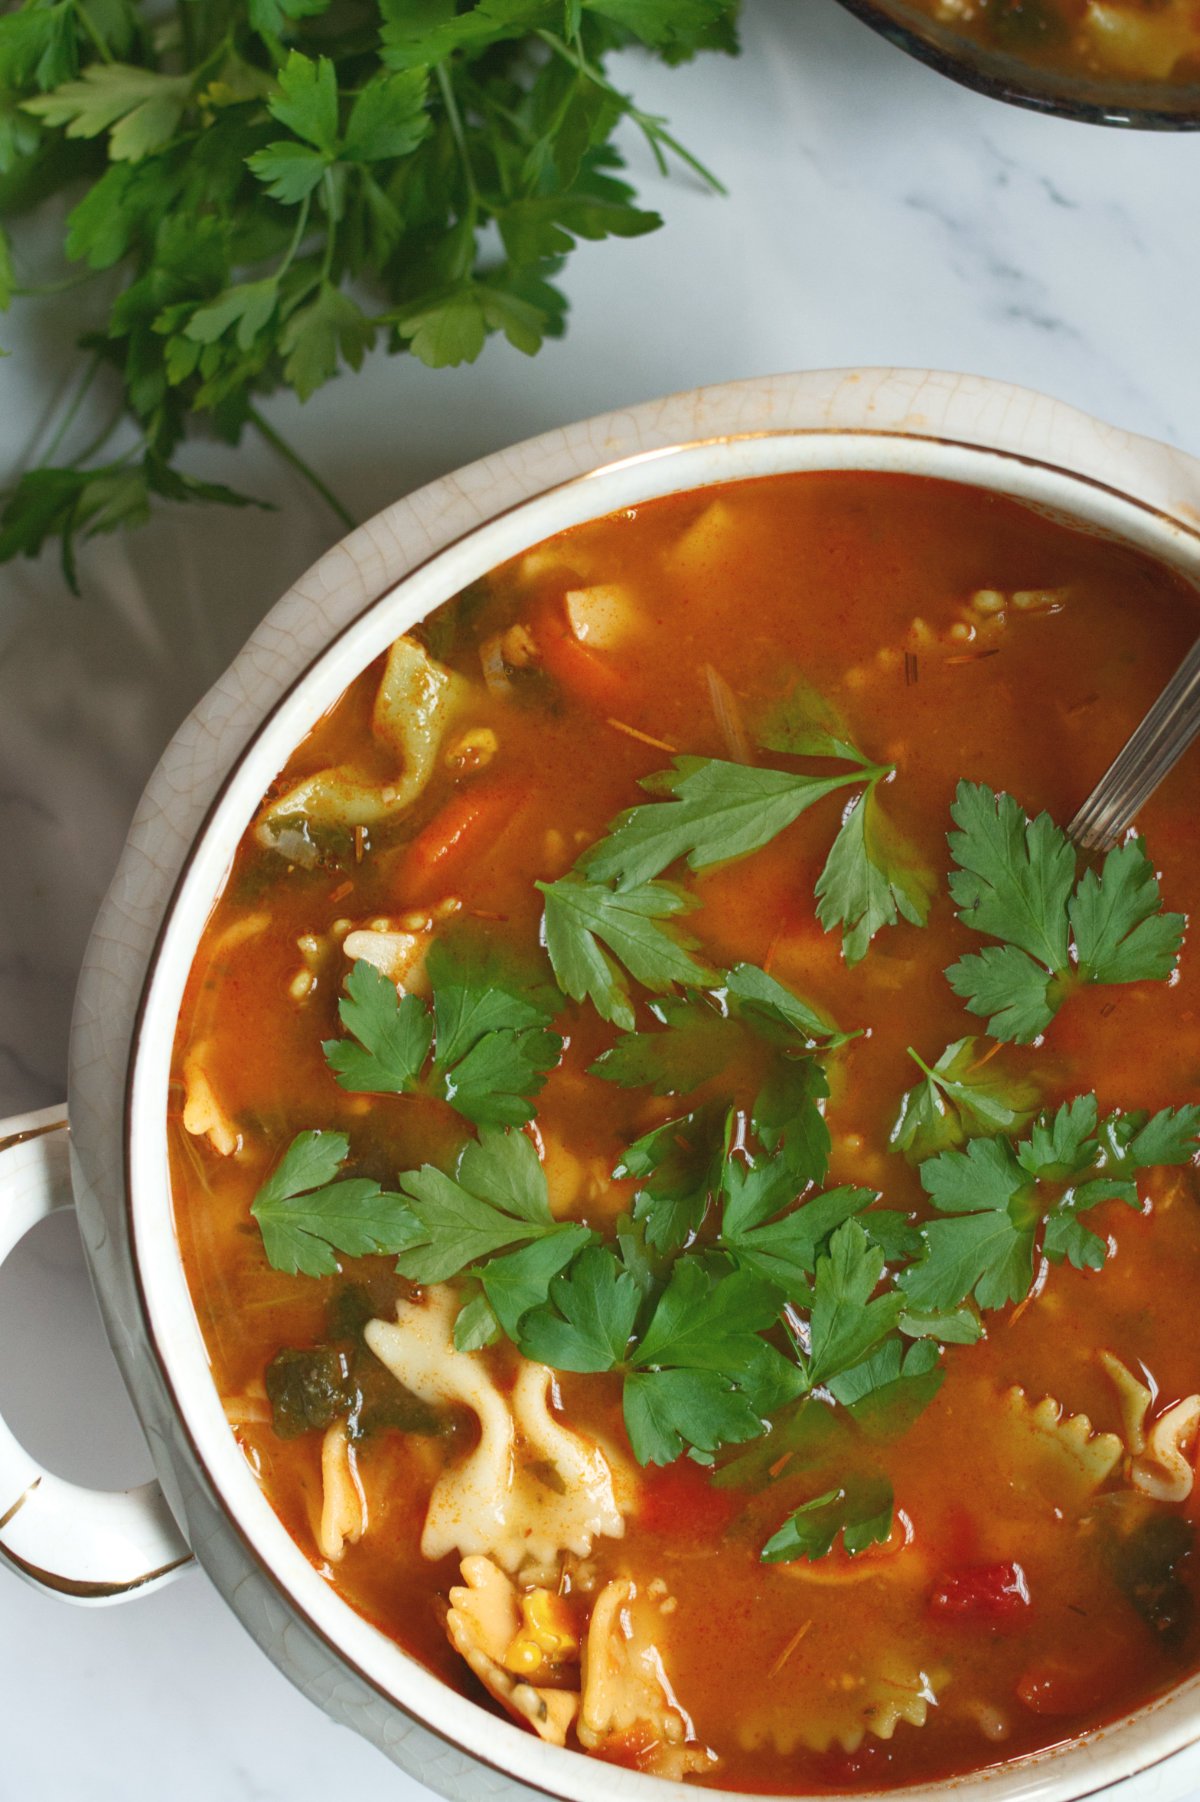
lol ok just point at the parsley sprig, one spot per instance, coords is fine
(872, 877)
(483, 1045)
(747, 1017)
(709, 811)
(1017, 881)
(1002, 1203)
(860, 1511)
(259, 194)
(598, 938)
(613, 917)
(964, 1095)
(305, 1215)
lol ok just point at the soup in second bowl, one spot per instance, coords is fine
(688, 1180)
(1135, 40)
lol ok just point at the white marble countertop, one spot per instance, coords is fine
(877, 215)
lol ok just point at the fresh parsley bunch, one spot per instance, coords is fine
(259, 192)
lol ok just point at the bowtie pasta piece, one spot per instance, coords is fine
(497, 1500)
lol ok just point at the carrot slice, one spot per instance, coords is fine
(592, 677)
(472, 819)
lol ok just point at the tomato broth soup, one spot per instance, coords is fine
(1134, 40)
(688, 1179)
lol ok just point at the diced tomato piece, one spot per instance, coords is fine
(681, 1499)
(996, 1594)
(1061, 1689)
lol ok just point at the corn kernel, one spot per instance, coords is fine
(547, 1635)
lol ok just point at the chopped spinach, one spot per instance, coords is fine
(310, 1389)
(1149, 1569)
(307, 1390)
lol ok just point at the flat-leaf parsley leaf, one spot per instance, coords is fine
(305, 1215)
(1016, 881)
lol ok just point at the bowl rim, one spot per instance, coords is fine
(1157, 521)
(1130, 105)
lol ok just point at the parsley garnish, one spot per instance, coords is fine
(740, 1301)
(783, 1250)
(270, 189)
(872, 876)
(848, 1320)
(305, 1216)
(886, 1392)
(1016, 881)
(860, 1511)
(496, 1198)
(699, 1376)
(707, 1034)
(678, 1167)
(963, 1096)
(1007, 1202)
(761, 999)
(592, 930)
(587, 1321)
(487, 1033)
(708, 811)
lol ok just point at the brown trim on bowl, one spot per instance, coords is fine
(1018, 458)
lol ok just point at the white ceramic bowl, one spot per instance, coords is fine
(340, 615)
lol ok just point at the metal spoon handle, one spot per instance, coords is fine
(1148, 755)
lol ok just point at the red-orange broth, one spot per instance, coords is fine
(1131, 40)
(894, 597)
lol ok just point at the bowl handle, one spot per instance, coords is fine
(88, 1545)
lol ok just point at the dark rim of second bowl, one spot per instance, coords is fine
(1141, 105)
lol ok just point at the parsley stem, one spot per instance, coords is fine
(101, 439)
(655, 135)
(36, 290)
(283, 449)
(650, 127)
(297, 236)
(86, 20)
(459, 135)
(330, 223)
(72, 412)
